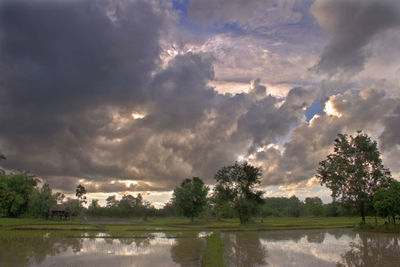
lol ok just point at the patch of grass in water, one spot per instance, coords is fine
(212, 256)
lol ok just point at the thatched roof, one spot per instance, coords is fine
(57, 207)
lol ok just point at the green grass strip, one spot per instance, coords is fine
(213, 253)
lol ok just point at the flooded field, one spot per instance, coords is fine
(339, 247)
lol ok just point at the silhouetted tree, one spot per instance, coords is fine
(111, 201)
(80, 193)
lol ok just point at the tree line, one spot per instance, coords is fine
(353, 171)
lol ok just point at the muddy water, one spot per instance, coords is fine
(339, 247)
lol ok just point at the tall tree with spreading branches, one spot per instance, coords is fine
(236, 185)
(354, 171)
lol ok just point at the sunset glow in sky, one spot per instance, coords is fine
(128, 96)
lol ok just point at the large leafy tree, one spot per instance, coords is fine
(15, 192)
(190, 197)
(41, 200)
(354, 171)
(387, 201)
(236, 185)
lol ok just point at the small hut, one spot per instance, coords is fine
(58, 210)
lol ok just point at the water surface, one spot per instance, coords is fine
(156, 249)
(339, 247)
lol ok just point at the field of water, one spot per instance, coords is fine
(343, 247)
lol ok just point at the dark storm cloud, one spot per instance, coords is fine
(264, 121)
(391, 135)
(64, 64)
(351, 25)
(119, 186)
(73, 72)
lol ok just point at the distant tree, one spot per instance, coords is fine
(168, 210)
(354, 171)
(2, 157)
(94, 208)
(331, 209)
(41, 200)
(80, 193)
(111, 202)
(295, 208)
(139, 200)
(236, 185)
(387, 201)
(313, 206)
(74, 207)
(127, 202)
(190, 197)
(94, 204)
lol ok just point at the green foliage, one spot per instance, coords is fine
(387, 201)
(354, 171)
(331, 209)
(190, 198)
(236, 186)
(295, 208)
(15, 192)
(74, 207)
(167, 211)
(41, 201)
(220, 208)
(128, 206)
(94, 208)
(313, 206)
(282, 206)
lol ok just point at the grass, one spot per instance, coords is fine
(179, 224)
(213, 253)
(29, 221)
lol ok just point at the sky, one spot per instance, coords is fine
(127, 96)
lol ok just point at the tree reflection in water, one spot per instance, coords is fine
(23, 251)
(373, 250)
(187, 250)
(243, 249)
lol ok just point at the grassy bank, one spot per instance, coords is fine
(119, 227)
